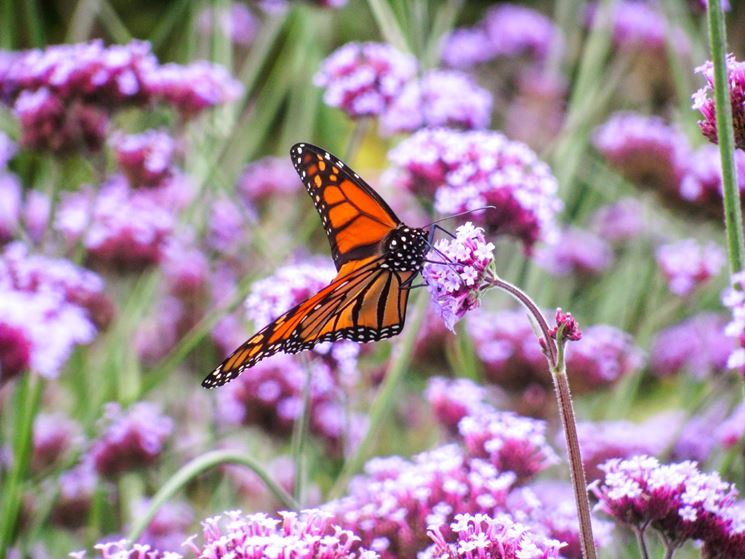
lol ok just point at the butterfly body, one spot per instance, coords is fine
(376, 255)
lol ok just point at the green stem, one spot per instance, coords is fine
(725, 133)
(355, 139)
(27, 402)
(642, 543)
(381, 407)
(194, 469)
(388, 24)
(300, 435)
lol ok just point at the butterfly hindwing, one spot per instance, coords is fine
(354, 216)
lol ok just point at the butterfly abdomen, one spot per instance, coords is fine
(404, 249)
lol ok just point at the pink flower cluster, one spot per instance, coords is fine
(129, 439)
(455, 275)
(453, 399)
(469, 170)
(687, 264)
(64, 95)
(266, 178)
(146, 159)
(576, 251)
(703, 100)
(734, 299)
(676, 500)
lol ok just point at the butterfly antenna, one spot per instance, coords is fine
(482, 208)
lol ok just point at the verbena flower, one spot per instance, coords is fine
(602, 440)
(229, 228)
(8, 149)
(170, 526)
(699, 6)
(147, 158)
(510, 442)
(469, 170)
(266, 178)
(234, 21)
(479, 536)
(439, 98)
(37, 211)
(731, 431)
(186, 269)
(54, 436)
(687, 264)
(122, 549)
(362, 79)
(645, 149)
(702, 184)
(703, 100)
(130, 439)
(675, 499)
(392, 505)
(695, 440)
(576, 251)
(620, 221)
(311, 534)
(638, 25)
(728, 537)
(455, 279)
(568, 325)
(466, 47)
(515, 30)
(453, 399)
(76, 491)
(734, 299)
(117, 225)
(10, 205)
(697, 345)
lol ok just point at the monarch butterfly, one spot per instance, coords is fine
(376, 255)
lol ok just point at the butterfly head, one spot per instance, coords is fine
(405, 248)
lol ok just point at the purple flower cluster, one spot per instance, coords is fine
(266, 178)
(702, 184)
(697, 345)
(576, 251)
(734, 299)
(116, 224)
(146, 159)
(235, 21)
(47, 307)
(362, 79)
(170, 526)
(439, 98)
(676, 500)
(506, 31)
(509, 442)
(687, 264)
(455, 277)
(469, 170)
(453, 399)
(129, 439)
(703, 100)
(64, 95)
(76, 490)
(480, 536)
(638, 26)
(620, 221)
(55, 435)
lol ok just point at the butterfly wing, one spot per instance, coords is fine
(365, 302)
(355, 217)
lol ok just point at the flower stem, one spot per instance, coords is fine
(299, 437)
(642, 542)
(555, 356)
(195, 468)
(725, 135)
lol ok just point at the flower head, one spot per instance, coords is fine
(568, 325)
(146, 159)
(703, 100)
(76, 492)
(470, 170)
(576, 251)
(454, 282)
(701, 186)
(453, 399)
(362, 79)
(619, 221)
(10, 205)
(266, 178)
(130, 439)
(235, 21)
(687, 264)
(734, 298)
(439, 98)
(54, 436)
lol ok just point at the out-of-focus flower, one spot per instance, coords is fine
(77, 488)
(702, 184)
(309, 535)
(157, 335)
(54, 436)
(601, 357)
(676, 499)
(453, 399)
(147, 158)
(234, 21)
(266, 178)
(603, 440)
(536, 112)
(8, 148)
(687, 264)
(362, 79)
(439, 98)
(638, 26)
(185, 269)
(391, 506)
(117, 225)
(577, 251)
(10, 205)
(454, 282)
(695, 440)
(549, 509)
(619, 221)
(698, 346)
(228, 228)
(703, 100)
(466, 47)
(734, 299)
(170, 526)
(36, 213)
(123, 549)
(130, 439)
(480, 535)
(731, 431)
(645, 149)
(510, 442)
(699, 6)
(469, 170)
(515, 30)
